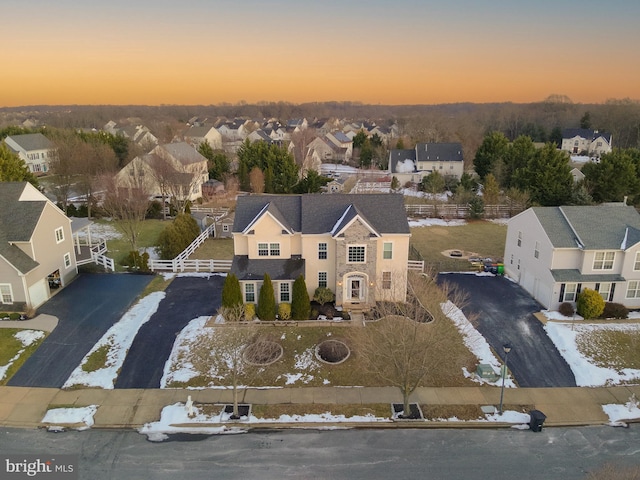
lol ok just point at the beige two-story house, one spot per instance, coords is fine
(34, 149)
(555, 252)
(356, 245)
(36, 247)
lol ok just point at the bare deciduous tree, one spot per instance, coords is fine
(176, 183)
(412, 340)
(256, 180)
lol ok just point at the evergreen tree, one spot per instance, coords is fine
(177, 236)
(266, 309)
(231, 292)
(300, 304)
(615, 176)
(13, 169)
(490, 154)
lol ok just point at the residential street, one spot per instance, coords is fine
(506, 316)
(86, 309)
(186, 298)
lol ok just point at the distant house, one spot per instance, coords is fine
(355, 245)
(577, 175)
(583, 141)
(176, 163)
(196, 136)
(34, 149)
(138, 134)
(36, 247)
(555, 252)
(425, 158)
(343, 142)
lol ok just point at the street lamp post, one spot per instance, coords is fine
(507, 348)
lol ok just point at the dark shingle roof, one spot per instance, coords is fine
(278, 269)
(18, 220)
(32, 141)
(585, 133)
(399, 156)
(606, 226)
(439, 152)
(317, 214)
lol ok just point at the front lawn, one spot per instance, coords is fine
(119, 248)
(16, 345)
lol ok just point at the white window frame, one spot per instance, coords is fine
(225, 228)
(636, 263)
(354, 247)
(6, 291)
(284, 289)
(67, 260)
(59, 235)
(633, 289)
(604, 263)
(274, 249)
(605, 293)
(247, 293)
(519, 238)
(322, 282)
(536, 250)
(385, 251)
(263, 249)
(386, 280)
(323, 251)
(570, 292)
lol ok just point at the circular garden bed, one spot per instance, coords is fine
(262, 352)
(333, 352)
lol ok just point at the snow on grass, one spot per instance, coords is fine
(119, 339)
(104, 231)
(564, 336)
(26, 337)
(476, 344)
(59, 417)
(620, 414)
(177, 368)
(207, 275)
(432, 222)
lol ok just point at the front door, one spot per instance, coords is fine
(355, 290)
(356, 287)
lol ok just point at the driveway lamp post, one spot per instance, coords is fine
(507, 348)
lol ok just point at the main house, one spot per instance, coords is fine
(35, 150)
(411, 165)
(356, 245)
(555, 252)
(36, 247)
(584, 141)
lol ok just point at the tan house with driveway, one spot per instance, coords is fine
(356, 245)
(36, 247)
(555, 252)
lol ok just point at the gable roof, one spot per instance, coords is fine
(31, 141)
(617, 226)
(18, 220)
(319, 214)
(439, 152)
(585, 133)
(398, 161)
(182, 152)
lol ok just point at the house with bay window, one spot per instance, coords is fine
(555, 252)
(356, 245)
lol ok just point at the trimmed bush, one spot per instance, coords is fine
(323, 295)
(249, 312)
(137, 262)
(590, 304)
(266, 308)
(284, 311)
(615, 310)
(300, 304)
(231, 292)
(566, 309)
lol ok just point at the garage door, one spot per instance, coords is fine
(38, 293)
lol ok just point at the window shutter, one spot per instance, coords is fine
(561, 299)
(612, 291)
(578, 288)
(597, 287)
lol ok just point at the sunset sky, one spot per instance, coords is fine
(379, 52)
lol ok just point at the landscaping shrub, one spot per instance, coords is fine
(614, 310)
(284, 311)
(266, 308)
(154, 211)
(177, 236)
(566, 309)
(249, 312)
(300, 305)
(137, 262)
(590, 304)
(323, 295)
(231, 292)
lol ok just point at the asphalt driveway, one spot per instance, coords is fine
(186, 298)
(86, 309)
(505, 315)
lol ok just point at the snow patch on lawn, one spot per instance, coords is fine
(435, 222)
(118, 339)
(26, 337)
(177, 369)
(59, 417)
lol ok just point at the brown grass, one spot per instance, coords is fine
(617, 349)
(381, 410)
(484, 238)
(9, 348)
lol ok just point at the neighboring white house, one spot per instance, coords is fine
(34, 149)
(583, 141)
(555, 252)
(198, 135)
(425, 158)
(36, 247)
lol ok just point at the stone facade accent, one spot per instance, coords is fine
(356, 234)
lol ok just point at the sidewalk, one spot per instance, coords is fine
(25, 407)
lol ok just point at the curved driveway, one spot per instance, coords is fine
(86, 309)
(186, 298)
(505, 315)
